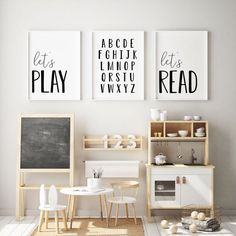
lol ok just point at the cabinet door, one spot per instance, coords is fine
(165, 191)
(196, 190)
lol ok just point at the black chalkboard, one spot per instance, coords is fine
(45, 143)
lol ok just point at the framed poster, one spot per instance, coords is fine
(118, 65)
(182, 65)
(54, 65)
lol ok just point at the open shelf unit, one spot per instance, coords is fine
(110, 142)
(165, 127)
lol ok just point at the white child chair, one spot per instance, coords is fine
(52, 206)
(127, 193)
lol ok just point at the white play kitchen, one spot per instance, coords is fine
(178, 169)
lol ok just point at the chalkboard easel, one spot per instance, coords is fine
(45, 145)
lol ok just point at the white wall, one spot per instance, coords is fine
(216, 16)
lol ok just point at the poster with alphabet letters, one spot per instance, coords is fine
(181, 65)
(54, 65)
(118, 65)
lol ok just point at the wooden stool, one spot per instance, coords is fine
(122, 199)
(44, 210)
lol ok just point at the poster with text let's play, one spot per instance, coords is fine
(118, 65)
(54, 65)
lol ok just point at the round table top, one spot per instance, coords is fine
(84, 191)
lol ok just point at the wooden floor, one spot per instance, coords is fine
(9, 226)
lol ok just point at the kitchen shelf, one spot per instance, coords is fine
(165, 127)
(156, 139)
(108, 143)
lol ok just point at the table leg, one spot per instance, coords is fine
(100, 203)
(72, 210)
(68, 207)
(105, 206)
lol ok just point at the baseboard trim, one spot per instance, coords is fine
(80, 213)
(94, 214)
(7, 212)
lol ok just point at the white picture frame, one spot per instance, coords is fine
(181, 65)
(121, 76)
(54, 65)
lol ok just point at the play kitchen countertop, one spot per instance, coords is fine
(180, 166)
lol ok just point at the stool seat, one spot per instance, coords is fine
(122, 200)
(50, 208)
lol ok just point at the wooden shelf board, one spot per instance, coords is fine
(113, 149)
(45, 170)
(97, 142)
(34, 187)
(178, 138)
(111, 139)
(180, 121)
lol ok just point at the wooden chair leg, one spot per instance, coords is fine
(57, 222)
(127, 210)
(135, 220)
(64, 219)
(117, 213)
(40, 220)
(110, 209)
(46, 219)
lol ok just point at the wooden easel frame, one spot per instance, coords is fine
(20, 173)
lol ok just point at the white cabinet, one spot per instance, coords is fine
(179, 187)
(196, 189)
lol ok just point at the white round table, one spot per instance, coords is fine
(84, 191)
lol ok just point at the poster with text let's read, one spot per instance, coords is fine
(54, 65)
(118, 65)
(181, 65)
